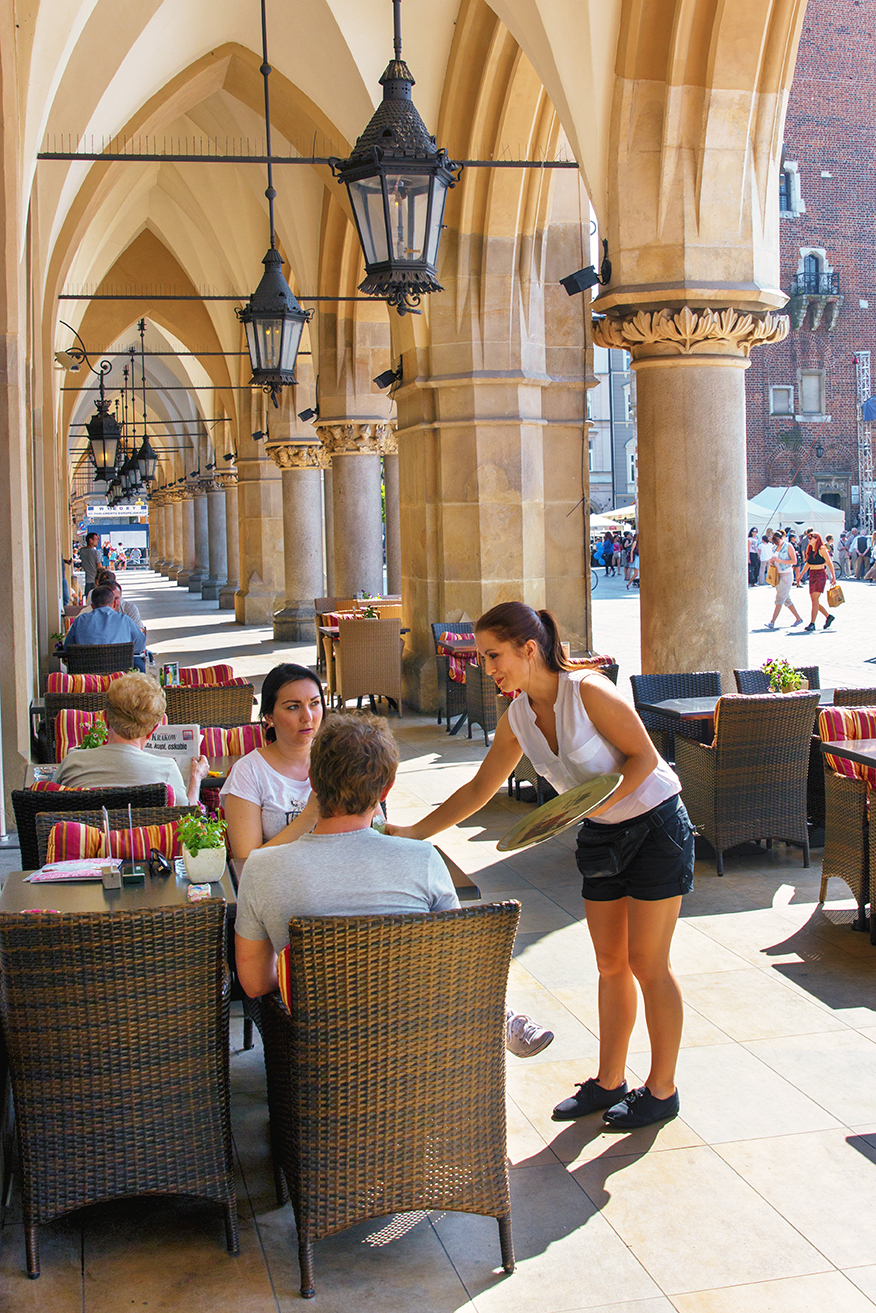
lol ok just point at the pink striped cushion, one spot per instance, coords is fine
(69, 840)
(235, 742)
(58, 683)
(457, 664)
(49, 786)
(205, 676)
(838, 723)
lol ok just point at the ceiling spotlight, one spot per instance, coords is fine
(195, 473)
(212, 466)
(259, 434)
(584, 278)
(305, 415)
(388, 377)
(232, 455)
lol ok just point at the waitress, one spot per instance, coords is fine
(635, 851)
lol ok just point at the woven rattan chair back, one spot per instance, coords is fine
(116, 1024)
(758, 681)
(28, 804)
(98, 658)
(454, 704)
(217, 705)
(118, 820)
(386, 1081)
(57, 702)
(659, 688)
(753, 783)
(483, 703)
(854, 697)
(368, 660)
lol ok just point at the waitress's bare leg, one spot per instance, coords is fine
(607, 923)
(650, 929)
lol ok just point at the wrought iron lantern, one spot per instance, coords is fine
(272, 318)
(397, 180)
(146, 461)
(104, 434)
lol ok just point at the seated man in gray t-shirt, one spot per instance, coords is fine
(344, 867)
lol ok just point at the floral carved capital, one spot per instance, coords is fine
(386, 439)
(687, 332)
(351, 439)
(298, 455)
(227, 479)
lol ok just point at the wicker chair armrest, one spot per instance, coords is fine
(696, 766)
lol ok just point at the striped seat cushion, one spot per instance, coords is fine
(71, 728)
(234, 742)
(457, 664)
(838, 723)
(69, 840)
(205, 676)
(49, 786)
(58, 683)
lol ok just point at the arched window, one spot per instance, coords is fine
(811, 274)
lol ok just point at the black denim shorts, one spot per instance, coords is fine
(660, 867)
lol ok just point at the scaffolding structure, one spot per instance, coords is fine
(867, 512)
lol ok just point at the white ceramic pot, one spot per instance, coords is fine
(206, 866)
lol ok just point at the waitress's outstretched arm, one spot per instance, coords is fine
(503, 756)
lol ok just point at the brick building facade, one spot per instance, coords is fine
(801, 395)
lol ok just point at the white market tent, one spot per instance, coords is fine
(776, 508)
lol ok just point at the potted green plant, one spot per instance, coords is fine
(96, 736)
(203, 844)
(783, 677)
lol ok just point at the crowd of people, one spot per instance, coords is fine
(853, 554)
(616, 552)
(782, 560)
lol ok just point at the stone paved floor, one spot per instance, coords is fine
(761, 1196)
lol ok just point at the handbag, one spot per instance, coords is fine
(607, 849)
(835, 597)
(772, 575)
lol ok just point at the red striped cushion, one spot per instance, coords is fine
(69, 840)
(838, 723)
(235, 742)
(58, 683)
(205, 676)
(283, 976)
(49, 786)
(457, 664)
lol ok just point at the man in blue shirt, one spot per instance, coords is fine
(104, 623)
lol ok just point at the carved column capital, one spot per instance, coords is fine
(386, 439)
(350, 439)
(670, 334)
(299, 455)
(227, 479)
(208, 485)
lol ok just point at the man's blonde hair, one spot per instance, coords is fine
(134, 706)
(353, 761)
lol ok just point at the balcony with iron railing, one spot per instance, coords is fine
(815, 284)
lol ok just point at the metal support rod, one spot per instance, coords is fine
(142, 157)
(396, 30)
(142, 327)
(231, 296)
(265, 71)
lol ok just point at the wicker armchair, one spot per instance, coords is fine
(116, 1025)
(368, 660)
(28, 804)
(56, 702)
(321, 605)
(98, 658)
(217, 704)
(854, 697)
(752, 783)
(398, 1105)
(758, 681)
(659, 688)
(454, 706)
(118, 820)
(847, 842)
(484, 704)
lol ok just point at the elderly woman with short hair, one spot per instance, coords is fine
(134, 709)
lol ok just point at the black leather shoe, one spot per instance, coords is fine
(591, 1097)
(640, 1108)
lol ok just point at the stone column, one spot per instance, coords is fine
(202, 540)
(217, 543)
(692, 479)
(156, 522)
(358, 530)
(174, 564)
(302, 537)
(228, 483)
(392, 519)
(328, 519)
(186, 504)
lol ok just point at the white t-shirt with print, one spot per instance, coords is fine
(281, 799)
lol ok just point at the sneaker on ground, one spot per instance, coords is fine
(810, 629)
(797, 622)
(769, 625)
(591, 1097)
(829, 621)
(640, 1108)
(524, 1037)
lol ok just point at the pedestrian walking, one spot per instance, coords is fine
(784, 558)
(818, 565)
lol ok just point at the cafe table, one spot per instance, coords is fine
(704, 708)
(90, 895)
(458, 646)
(862, 751)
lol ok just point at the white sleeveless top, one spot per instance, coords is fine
(584, 752)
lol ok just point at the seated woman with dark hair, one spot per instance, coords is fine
(267, 796)
(134, 708)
